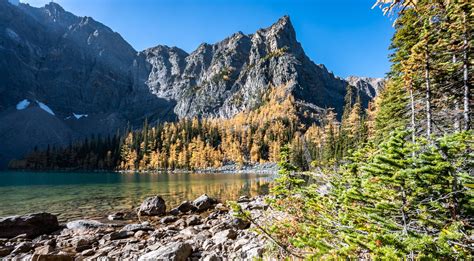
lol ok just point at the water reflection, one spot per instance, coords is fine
(72, 195)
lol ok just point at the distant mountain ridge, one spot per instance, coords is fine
(77, 66)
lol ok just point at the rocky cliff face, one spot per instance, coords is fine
(64, 77)
(370, 86)
(75, 66)
(230, 76)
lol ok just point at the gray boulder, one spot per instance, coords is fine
(137, 227)
(193, 220)
(84, 224)
(223, 236)
(32, 225)
(175, 212)
(176, 251)
(258, 203)
(152, 206)
(186, 206)
(82, 243)
(252, 251)
(203, 202)
(121, 234)
(239, 223)
(168, 219)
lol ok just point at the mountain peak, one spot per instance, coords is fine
(282, 34)
(284, 20)
(54, 7)
(283, 25)
(230, 76)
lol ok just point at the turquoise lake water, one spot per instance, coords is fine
(77, 195)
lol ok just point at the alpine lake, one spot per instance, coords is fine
(74, 195)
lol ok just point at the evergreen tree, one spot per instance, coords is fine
(392, 109)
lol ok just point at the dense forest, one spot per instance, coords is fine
(248, 138)
(406, 192)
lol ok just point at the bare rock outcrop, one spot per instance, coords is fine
(30, 225)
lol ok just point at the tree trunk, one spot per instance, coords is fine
(428, 96)
(467, 91)
(405, 218)
(457, 120)
(412, 107)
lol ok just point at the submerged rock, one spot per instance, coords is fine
(32, 225)
(152, 206)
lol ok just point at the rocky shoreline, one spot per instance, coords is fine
(259, 168)
(268, 168)
(203, 229)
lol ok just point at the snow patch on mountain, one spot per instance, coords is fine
(78, 116)
(12, 35)
(23, 104)
(45, 108)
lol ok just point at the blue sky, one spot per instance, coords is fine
(347, 36)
